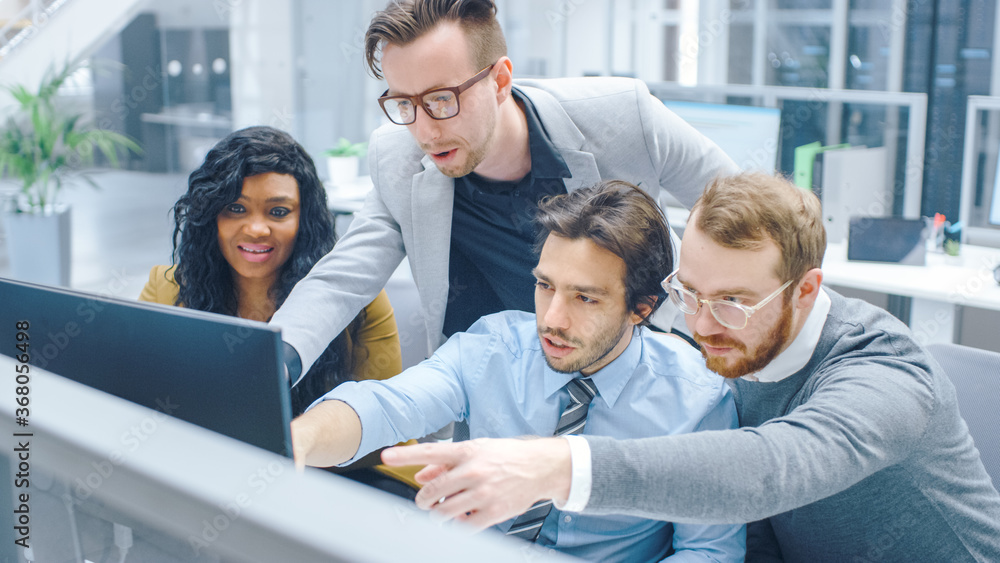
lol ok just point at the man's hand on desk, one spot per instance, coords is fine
(487, 481)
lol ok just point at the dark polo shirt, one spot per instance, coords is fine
(493, 233)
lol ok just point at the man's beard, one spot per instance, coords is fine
(475, 154)
(769, 348)
(599, 348)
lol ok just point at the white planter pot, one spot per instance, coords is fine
(39, 246)
(343, 170)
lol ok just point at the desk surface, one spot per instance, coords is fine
(349, 198)
(191, 119)
(965, 280)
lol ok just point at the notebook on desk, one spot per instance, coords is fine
(223, 373)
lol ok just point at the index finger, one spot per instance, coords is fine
(425, 454)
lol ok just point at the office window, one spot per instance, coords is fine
(671, 39)
(804, 4)
(867, 59)
(740, 52)
(868, 4)
(798, 55)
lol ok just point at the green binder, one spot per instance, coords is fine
(805, 156)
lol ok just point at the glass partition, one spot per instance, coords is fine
(980, 197)
(893, 120)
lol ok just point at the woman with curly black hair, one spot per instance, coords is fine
(253, 222)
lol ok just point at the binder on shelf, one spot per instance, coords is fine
(806, 156)
(855, 184)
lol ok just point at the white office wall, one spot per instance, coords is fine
(336, 97)
(587, 36)
(263, 65)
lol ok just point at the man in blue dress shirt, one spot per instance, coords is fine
(603, 253)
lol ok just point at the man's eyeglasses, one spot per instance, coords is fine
(729, 314)
(439, 103)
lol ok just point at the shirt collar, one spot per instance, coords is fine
(609, 380)
(546, 162)
(798, 353)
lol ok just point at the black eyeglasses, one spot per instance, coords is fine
(439, 103)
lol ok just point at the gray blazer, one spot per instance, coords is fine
(604, 128)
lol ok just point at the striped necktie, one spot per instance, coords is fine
(571, 421)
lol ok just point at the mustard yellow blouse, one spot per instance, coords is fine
(376, 352)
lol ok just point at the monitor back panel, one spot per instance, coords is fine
(222, 373)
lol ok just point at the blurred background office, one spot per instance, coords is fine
(909, 84)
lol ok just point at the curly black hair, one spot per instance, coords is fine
(204, 275)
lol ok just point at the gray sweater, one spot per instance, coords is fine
(859, 456)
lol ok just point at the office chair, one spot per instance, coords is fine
(976, 375)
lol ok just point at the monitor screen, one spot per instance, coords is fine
(222, 373)
(748, 134)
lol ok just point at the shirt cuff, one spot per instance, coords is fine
(581, 477)
(293, 364)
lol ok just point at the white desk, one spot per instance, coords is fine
(936, 289)
(347, 199)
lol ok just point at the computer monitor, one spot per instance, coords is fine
(994, 216)
(222, 373)
(979, 209)
(748, 134)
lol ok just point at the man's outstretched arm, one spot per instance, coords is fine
(715, 476)
(487, 481)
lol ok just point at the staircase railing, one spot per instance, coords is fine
(26, 23)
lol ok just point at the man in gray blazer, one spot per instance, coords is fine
(458, 174)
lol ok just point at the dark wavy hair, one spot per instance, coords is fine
(624, 220)
(204, 275)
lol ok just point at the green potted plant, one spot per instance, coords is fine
(41, 147)
(342, 162)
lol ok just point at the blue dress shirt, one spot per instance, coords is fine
(495, 375)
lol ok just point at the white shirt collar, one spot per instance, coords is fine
(798, 353)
